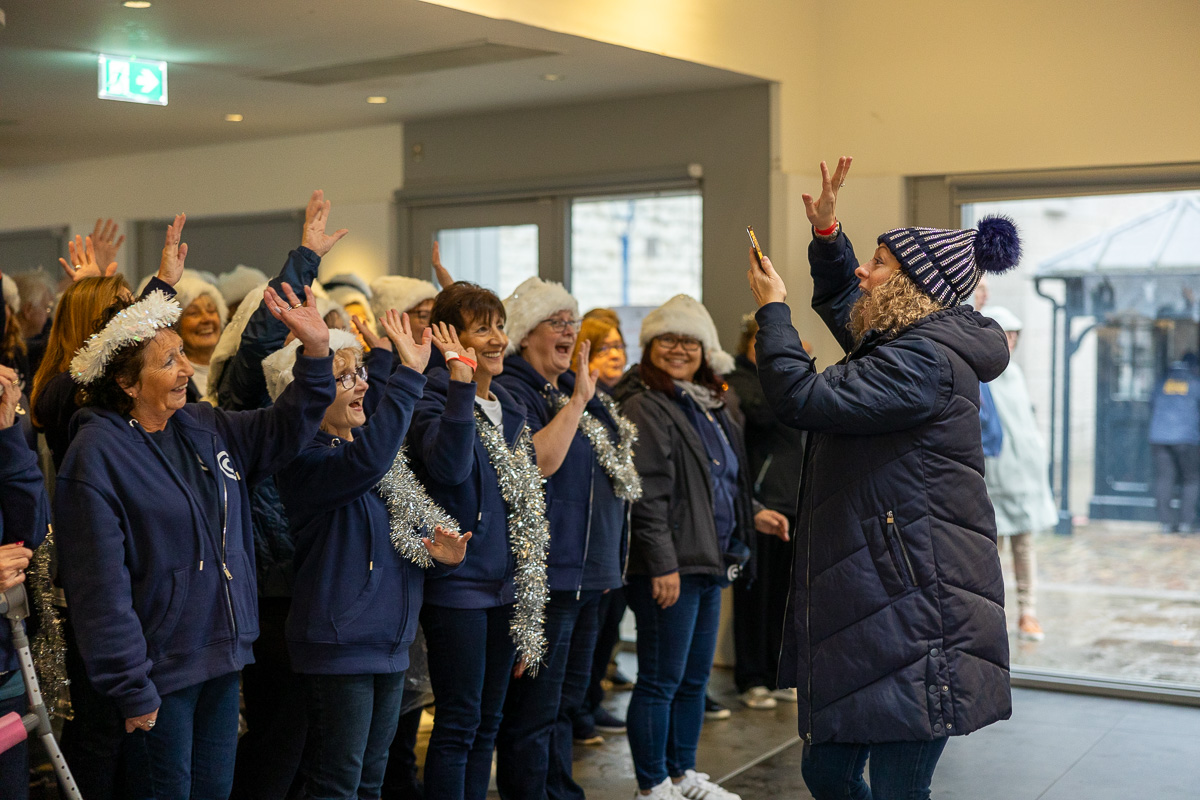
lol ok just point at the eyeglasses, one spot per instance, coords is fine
(348, 380)
(560, 325)
(605, 349)
(669, 342)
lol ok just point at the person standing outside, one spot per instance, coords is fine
(896, 637)
(1175, 444)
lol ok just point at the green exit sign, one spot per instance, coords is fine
(133, 80)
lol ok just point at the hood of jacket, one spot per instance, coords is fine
(978, 340)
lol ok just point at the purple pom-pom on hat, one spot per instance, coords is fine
(997, 245)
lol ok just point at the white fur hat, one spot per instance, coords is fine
(685, 316)
(348, 279)
(277, 367)
(238, 282)
(12, 295)
(400, 293)
(1006, 319)
(191, 285)
(530, 303)
(345, 295)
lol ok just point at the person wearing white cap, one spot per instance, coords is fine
(587, 499)
(239, 282)
(692, 533)
(1018, 478)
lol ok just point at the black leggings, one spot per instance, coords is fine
(1176, 465)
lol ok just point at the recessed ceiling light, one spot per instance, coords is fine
(136, 4)
(233, 117)
(550, 76)
(376, 100)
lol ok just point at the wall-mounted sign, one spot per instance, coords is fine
(133, 80)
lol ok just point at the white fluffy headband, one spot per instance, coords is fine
(138, 322)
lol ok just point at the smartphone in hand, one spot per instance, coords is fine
(754, 243)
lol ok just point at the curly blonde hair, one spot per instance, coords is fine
(893, 305)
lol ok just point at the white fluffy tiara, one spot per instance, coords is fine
(138, 322)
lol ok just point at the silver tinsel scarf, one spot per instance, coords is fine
(615, 460)
(528, 535)
(411, 512)
(48, 646)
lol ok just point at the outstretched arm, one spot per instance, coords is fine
(553, 441)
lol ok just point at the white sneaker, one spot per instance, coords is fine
(697, 786)
(786, 695)
(667, 790)
(758, 697)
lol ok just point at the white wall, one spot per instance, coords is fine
(358, 169)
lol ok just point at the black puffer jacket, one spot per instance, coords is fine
(672, 527)
(896, 628)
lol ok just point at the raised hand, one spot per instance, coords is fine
(413, 354)
(302, 319)
(443, 275)
(103, 238)
(372, 339)
(822, 211)
(585, 379)
(316, 216)
(174, 252)
(84, 263)
(771, 523)
(445, 339)
(445, 547)
(765, 282)
(10, 395)
(14, 560)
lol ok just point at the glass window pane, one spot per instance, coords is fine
(497, 258)
(635, 250)
(1121, 596)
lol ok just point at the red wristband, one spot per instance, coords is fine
(469, 362)
(828, 231)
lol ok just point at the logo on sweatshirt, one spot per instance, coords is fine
(227, 466)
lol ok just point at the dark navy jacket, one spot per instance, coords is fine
(356, 601)
(449, 459)
(161, 596)
(896, 628)
(24, 512)
(587, 521)
(242, 387)
(1175, 409)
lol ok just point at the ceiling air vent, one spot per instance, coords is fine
(473, 54)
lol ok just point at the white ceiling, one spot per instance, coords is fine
(220, 51)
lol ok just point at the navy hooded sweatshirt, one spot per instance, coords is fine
(356, 600)
(449, 459)
(24, 512)
(162, 595)
(587, 521)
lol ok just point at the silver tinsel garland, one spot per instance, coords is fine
(528, 535)
(616, 460)
(411, 511)
(48, 646)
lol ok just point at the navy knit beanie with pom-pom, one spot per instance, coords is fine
(947, 264)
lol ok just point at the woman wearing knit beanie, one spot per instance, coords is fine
(688, 538)
(896, 639)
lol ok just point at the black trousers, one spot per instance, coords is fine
(612, 609)
(268, 756)
(93, 740)
(1176, 465)
(758, 614)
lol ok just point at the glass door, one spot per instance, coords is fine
(497, 245)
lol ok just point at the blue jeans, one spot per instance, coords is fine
(675, 649)
(14, 762)
(470, 660)
(899, 770)
(351, 722)
(533, 752)
(190, 751)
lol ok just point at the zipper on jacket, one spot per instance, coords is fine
(224, 563)
(587, 536)
(893, 532)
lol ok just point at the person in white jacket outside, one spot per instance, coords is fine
(1018, 480)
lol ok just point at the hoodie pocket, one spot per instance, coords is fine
(158, 634)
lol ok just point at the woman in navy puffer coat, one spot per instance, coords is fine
(896, 635)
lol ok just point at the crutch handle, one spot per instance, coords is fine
(12, 731)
